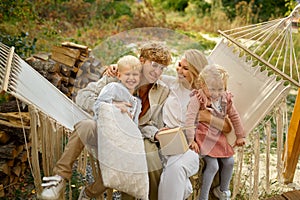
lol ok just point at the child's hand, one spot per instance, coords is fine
(240, 142)
(123, 106)
(201, 97)
(194, 146)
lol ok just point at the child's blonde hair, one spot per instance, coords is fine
(156, 52)
(129, 61)
(213, 72)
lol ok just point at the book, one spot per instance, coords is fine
(173, 141)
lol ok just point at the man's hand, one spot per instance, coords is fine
(111, 71)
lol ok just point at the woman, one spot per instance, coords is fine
(174, 182)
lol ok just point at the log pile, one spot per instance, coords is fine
(69, 67)
(14, 127)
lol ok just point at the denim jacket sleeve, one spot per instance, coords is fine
(86, 97)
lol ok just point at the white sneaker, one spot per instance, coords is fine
(225, 195)
(52, 187)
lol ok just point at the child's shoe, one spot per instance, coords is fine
(225, 195)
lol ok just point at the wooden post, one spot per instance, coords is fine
(268, 153)
(292, 145)
(8, 69)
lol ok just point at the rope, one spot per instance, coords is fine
(280, 52)
(26, 143)
(267, 35)
(238, 172)
(256, 166)
(279, 122)
(267, 41)
(268, 152)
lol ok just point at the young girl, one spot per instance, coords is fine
(212, 143)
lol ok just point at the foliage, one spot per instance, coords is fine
(75, 184)
(16, 10)
(290, 5)
(175, 5)
(90, 21)
(262, 10)
(147, 16)
(200, 8)
(203, 43)
(4, 97)
(23, 46)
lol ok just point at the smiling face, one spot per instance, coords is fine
(154, 57)
(213, 89)
(183, 71)
(213, 80)
(129, 72)
(151, 71)
(129, 77)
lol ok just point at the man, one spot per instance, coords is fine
(153, 93)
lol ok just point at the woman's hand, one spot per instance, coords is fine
(194, 146)
(204, 116)
(223, 125)
(111, 71)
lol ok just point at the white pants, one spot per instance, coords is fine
(174, 181)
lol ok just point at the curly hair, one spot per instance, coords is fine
(156, 52)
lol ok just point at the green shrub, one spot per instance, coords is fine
(175, 5)
(16, 10)
(23, 47)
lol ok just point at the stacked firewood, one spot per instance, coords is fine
(14, 141)
(69, 67)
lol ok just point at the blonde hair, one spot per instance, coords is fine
(129, 61)
(213, 72)
(196, 62)
(156, 52)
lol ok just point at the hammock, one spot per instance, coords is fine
(262, 62)
(255, 92)
(22, 81)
